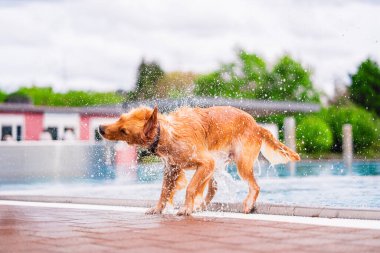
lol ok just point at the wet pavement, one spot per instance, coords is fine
(49, 229)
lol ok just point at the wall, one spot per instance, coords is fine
(61, 121)
(59, 161)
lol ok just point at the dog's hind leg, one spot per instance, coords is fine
(244, 162)
(172, 180)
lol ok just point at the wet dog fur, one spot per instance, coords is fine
(187, 138)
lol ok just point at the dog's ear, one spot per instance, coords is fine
(151, 123)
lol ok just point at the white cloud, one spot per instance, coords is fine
(98, 44)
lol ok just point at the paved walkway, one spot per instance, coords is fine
(47, 229)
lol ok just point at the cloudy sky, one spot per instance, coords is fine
(97, 45)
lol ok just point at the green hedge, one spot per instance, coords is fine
(313, 135)
(322, 131)
(364, 126)
(47, 97)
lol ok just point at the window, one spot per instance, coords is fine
(19, 133)
(54, 132)
(6, 131)
(12, 127)
(69, 134)
(69, 129)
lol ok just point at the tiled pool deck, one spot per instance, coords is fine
(59, 229)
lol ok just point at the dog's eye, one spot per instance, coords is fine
(123, 131)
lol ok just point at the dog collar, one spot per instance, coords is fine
(153, 147)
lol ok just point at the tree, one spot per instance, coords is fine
(365, 86)
(235, 80)
(210, 85)
(289, 80)
(249, 77)
(147, 77)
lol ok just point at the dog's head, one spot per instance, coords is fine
(136, 127)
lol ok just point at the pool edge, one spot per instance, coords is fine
(261, 208)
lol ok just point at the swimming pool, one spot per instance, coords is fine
(313, 183)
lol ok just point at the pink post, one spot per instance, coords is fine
(126, 161)
(84, 133)
(33, 126)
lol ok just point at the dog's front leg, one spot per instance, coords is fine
(201, 176)
(171, 174)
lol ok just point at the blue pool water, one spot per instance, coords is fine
(319, 184)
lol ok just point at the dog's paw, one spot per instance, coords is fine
(248, 208)
(154, 210)
(184, 211)
(203, 207)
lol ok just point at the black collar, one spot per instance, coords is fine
(153, 147)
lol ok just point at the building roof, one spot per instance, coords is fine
(254, 107)
(112, 110)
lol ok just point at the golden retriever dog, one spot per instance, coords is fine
(192, 138)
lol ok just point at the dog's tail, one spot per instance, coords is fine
(274, 151)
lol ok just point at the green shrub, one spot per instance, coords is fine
(313, 135)
(364, 126)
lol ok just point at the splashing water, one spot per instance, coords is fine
(258, 173)
(228, 188)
